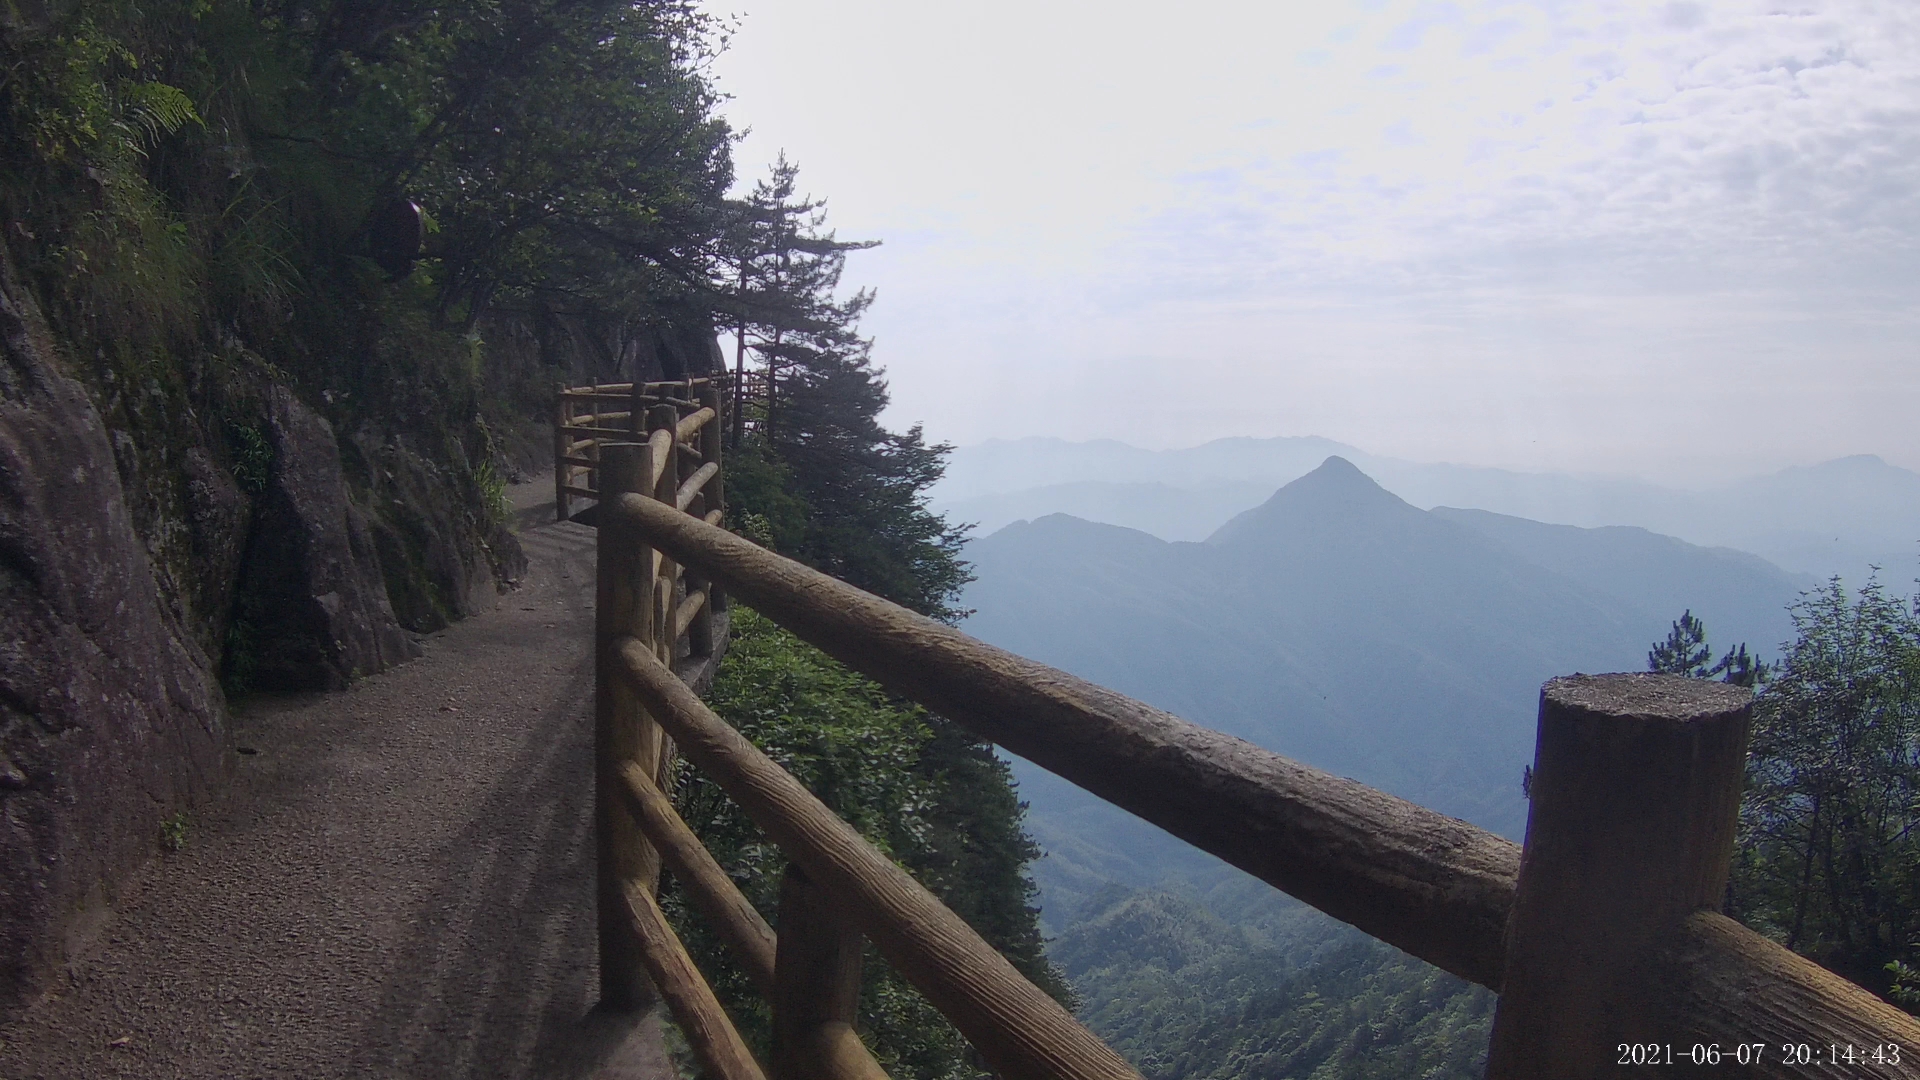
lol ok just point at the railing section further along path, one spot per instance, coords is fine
(1602, 935)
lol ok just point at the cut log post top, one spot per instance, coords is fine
(1635, 791)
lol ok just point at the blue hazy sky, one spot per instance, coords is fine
(1671, 239)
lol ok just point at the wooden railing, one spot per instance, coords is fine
(588, 418)
(1601, 934)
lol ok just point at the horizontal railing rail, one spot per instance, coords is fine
(1602, 929)
(581, 428)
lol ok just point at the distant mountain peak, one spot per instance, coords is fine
(1336, 491)
(1337, 479)
(1335, 465)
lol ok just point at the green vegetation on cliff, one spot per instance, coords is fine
(213, 199)
(1184, 994)
(924, 791)
(1828, 857)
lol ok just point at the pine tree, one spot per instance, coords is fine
(815, 472)
(1686, 652)
(786, 276)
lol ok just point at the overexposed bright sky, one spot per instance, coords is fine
(1680, 240)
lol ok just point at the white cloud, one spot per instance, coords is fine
(1595, 235)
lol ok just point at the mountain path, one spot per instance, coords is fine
(400, 885)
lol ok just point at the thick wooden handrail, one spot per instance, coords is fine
(1434, 886)
(709, 1031)
(1730, 985)
(1021, 1032)
(601, 419)
(691, 423)
(625, 389)
(586, 432)
(610, 396)
(1430, 884)
(692, 487)
(713, 893)
(688, 610)
(662, 444)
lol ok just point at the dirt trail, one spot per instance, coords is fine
(401, 885)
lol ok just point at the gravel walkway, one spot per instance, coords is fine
(401, 885)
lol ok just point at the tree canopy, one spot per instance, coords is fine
(1829, 852)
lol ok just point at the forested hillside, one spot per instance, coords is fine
(1185, 993)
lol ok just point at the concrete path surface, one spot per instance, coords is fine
(401, 885)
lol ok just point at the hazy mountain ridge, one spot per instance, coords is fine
(1835, 517)
(1638, 573)
(1340, 625)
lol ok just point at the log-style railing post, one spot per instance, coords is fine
(816, 988)
(664, 417)
(1634, 797)
(562, 443)
(622, 733)
(592, 448)
(700, 630)
(713, 441)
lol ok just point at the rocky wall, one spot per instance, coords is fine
(111, 721)
(440, 561)
(143, 560)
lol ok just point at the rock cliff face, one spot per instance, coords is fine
(439, 564)
(314, 608)
(147, 554)
(110, 718)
